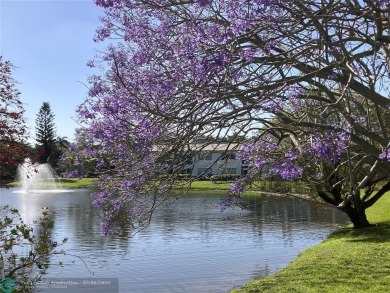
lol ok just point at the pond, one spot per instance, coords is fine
(190, 246)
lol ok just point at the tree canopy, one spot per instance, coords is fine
(306, 81)
(13, 130)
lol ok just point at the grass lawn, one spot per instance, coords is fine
(209, 187)
(205, 187)
(348, 261)
(77, 183)
(63, 182)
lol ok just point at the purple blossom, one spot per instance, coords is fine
(259, 163)
(287, 168)
(237, 188)
(226, 203)
(329, 146)
(290, 171)
(203, 3)
(100, 198)
(71, 174)
(95, 90)
(291, 156)
(105, 3)
(319, 175)
(91, 63)
(385, 155)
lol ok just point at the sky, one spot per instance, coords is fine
(49, 42)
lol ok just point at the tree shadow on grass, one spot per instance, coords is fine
(377, 233)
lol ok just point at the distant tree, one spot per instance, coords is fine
(63, 142)
(79, 165)
(11, 155)
(61, 146)
(13, 134)
(45, 133)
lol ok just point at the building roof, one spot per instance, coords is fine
(206, 147)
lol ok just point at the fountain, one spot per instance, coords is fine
(37, 177)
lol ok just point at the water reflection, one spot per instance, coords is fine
(289, 219)
(188, 247)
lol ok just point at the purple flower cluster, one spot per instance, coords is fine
(237, 188)
(267, 158)
(204, 2)
(385, 155)
(329, 146)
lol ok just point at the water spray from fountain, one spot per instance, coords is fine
(37, 177)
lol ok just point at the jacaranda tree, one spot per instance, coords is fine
(307, 81)
(13, 149)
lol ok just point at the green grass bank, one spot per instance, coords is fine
(205, 187)
(71, 183)
(348, 261)
(220, 187)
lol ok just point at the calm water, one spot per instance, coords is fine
(189, 247)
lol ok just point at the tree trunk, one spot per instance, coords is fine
(357, 216)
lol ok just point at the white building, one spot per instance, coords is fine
(214, 159)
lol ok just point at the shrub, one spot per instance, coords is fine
(185, 176)
(224, 177)
(24, 255)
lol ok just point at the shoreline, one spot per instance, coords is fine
(349, 260)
